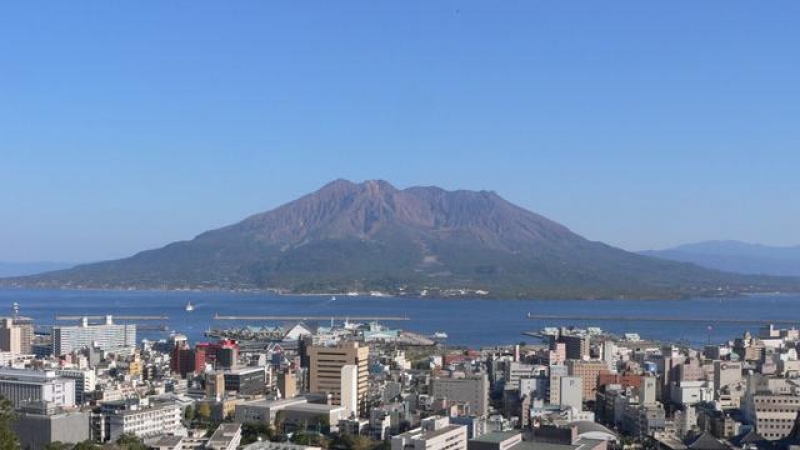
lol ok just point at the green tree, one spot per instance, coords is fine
(130, 442)
(58, 445)
(86, 445)
(8, 439)
(188, 414)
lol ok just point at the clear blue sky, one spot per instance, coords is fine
(126, 125)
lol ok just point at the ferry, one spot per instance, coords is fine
(440, 335)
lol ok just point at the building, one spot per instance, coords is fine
(215, 385)
(577, 347)
(325, 370)
(515, 371)
(472, 390)
(182, 359)
(85, 383)
(435, 433)
(221, 355)
(40, 424)
(10, 337)
(227, 436)
(143, 422)
(105, 336)
(771, 405)
(349, 390)
(246, 380)
(263, 411)
(571, 389)
(24, 386)
(314, 417)
(589, 371)
(287, 384)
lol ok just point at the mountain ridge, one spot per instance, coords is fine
(371, 236)
(736, 256)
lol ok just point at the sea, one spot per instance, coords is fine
(468, 322)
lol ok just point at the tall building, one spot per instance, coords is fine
(325, 374)
(182, 360)
(571, 389)
(10, 337)
(577, 347)
(105, 336)
(215, 385)
(25, 325)
(472, 390)
(349, 390)
(588, 371)
(23, 386)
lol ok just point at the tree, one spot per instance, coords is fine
(8, 439)
(189, 413)
(130, 442)
(58, 445)
(204, 411)
(85, 445)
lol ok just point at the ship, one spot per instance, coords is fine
(189, 307)
(440, 335)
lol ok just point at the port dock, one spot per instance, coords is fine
(598, 318)
(292, 318)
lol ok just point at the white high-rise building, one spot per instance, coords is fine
(571, 389)
(108, 335)
(349, 390)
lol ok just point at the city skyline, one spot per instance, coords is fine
(642, 126)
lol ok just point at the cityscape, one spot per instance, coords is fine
(298, 384)
(399, 225)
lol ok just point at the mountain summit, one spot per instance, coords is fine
(372, 236)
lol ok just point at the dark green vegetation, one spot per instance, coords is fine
(422, 240)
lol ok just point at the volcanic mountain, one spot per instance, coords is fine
(371, 236)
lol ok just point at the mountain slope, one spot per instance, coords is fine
(372, 236)
(735, 256)
(16, 269)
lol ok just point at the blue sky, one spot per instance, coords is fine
(127, 125)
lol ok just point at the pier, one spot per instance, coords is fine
(293, 318)
(113, 316)
(599, 318)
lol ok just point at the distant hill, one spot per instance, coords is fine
(18, 269)
(418, 241)
(735, 256)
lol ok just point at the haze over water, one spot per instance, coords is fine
(468, 322)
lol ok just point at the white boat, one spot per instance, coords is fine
(189, 306)
(440, 335)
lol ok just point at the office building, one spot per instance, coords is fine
(143, 422)
(246, 380)
(85, 383)
(472, 390)
(571, 389)
(10, 337)
(589, 372)
(325, 374)
(24, 386)
(105, 336)
(349, 390)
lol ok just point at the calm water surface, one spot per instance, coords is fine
(467, 322)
